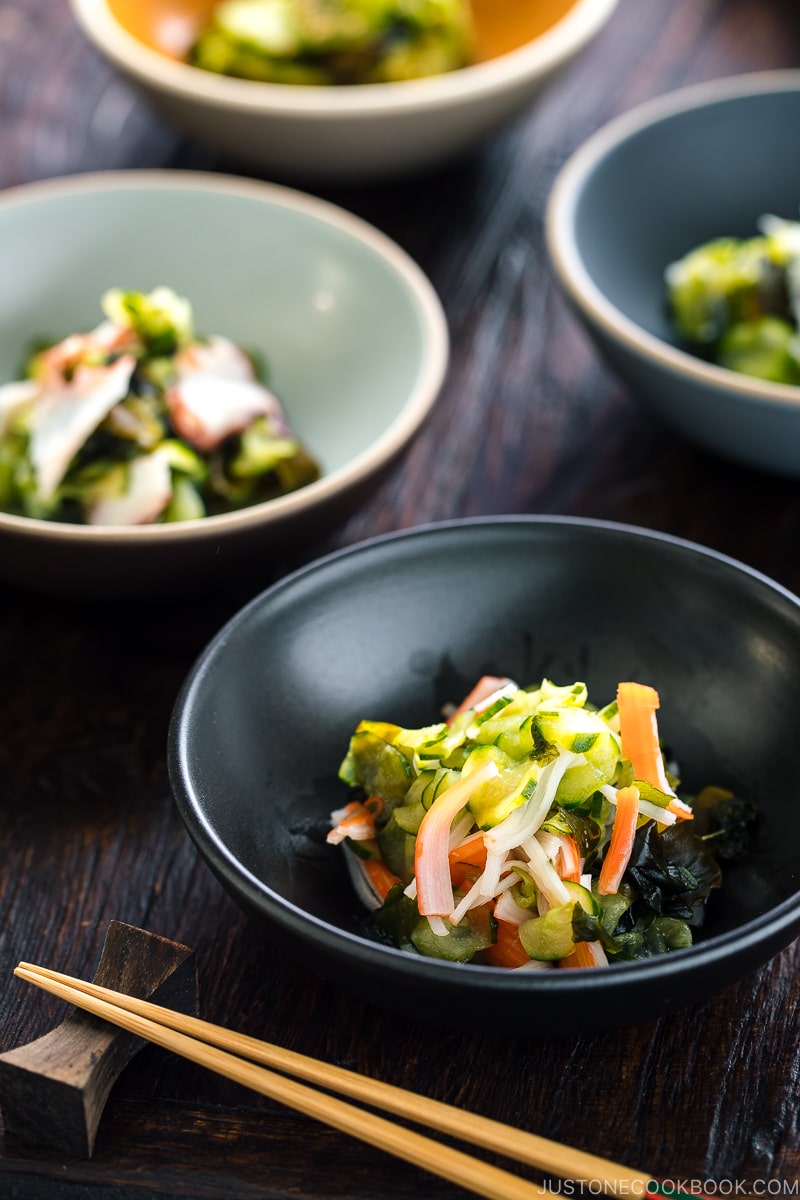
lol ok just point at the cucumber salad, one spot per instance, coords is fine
(532, 830)
(334, 42)
(736, 301)
(140, 421)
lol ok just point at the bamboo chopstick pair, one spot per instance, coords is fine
(246, 1059)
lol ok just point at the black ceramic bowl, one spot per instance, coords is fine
(395, 627)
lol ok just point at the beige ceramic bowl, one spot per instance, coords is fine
(357, 132)
(353, 335)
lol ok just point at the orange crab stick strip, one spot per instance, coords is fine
(638, 728)
(356, 820)
(568, 860)
(581, 956)
(470, 856)
(619, 849)
(507, 950)
(680, 809)
(379, 875)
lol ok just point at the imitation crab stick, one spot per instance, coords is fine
(638, 728)
(568, 859)
(677, 807)
(619, 849)
(431, 857)
(380, 877)
(508, 950)
(468, 857)
(355, 821)
(581, 956)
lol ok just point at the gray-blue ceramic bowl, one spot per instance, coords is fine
(702, 162)
(394, 627)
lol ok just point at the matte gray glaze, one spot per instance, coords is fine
(393, 628)
(703, 162)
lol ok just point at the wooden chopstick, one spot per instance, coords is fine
(224, 1051)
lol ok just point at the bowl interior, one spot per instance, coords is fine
(170, 26)
(332, 307)
(691, 175)
(393, 629)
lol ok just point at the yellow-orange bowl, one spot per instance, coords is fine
(359, 132)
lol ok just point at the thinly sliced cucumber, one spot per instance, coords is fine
(515, 781)
(380, 768)
(549, 938)
(581, 895)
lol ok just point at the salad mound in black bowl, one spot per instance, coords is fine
(530, 829)
(398, 627)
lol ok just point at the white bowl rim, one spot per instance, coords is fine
(473, 83)
(435, 354)
(579, 284)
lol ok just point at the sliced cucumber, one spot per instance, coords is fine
(580, 731)
(549, 938)
(397, 848)
(461, 942)
(508, 725)
(581, 895)
(515, 781)
(430, 745)
(571, 695)
(427, 786)
(578, 783)
(380, 768)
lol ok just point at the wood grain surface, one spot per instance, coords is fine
(529, 421)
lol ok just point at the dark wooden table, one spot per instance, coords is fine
(529, 421)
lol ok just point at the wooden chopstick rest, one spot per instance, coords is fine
(53, 1090)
